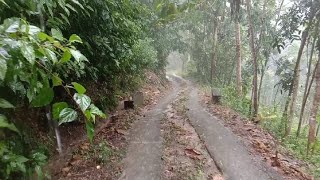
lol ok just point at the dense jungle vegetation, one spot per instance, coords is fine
(263, 55)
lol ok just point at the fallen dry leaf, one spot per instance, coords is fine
(122, 131)
(85, 146)
(66, 169)
(192, 152)
(75, 162)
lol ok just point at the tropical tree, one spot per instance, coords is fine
(254, 60)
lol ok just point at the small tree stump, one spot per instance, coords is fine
(216, 96)
(128, 105)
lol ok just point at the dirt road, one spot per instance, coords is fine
(150, 157)
(143, 161)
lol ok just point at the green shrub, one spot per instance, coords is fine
(15, 159)
(232, 99)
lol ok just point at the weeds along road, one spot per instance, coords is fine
(144, 159)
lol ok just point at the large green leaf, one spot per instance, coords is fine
(71, 7)
(79, 88)
(56, 80)
(78, 3)
(82, 100)
(75, 38)
(57, 108)
(56, 33)
(77, 55)
(44, 97)
(5, 104)
(28, 52)
(4, 124)
(65, 57)
(67, 115)
(51, 55)
(96, 111)
(32, 30)
(91, 114)
(42, 36)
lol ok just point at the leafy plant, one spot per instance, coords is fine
(232, 99)
(9, 161)
(30, 59)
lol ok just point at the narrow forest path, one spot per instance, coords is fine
(143, 161)
(148, 149)
(225, 147)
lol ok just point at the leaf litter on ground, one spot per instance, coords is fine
(259, 141)
(185, 156)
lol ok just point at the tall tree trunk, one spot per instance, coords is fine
(214, 51)
(314, 110)
(254, 61)
(238, 57)
(259, 45)
(306, 87)
(295, 83)
(307, 90)
(263, 69)
(286, 106)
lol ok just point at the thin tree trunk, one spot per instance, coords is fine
(261, 78)
(214, 49)
(305, 35)
(275, 99)
(279, 13)
(286, 107)
(295, 82)
(238, 57)
(285, 111)
(314, 110)
(306, 92)
(254, 61)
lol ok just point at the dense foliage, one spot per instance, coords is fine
(107, 44)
